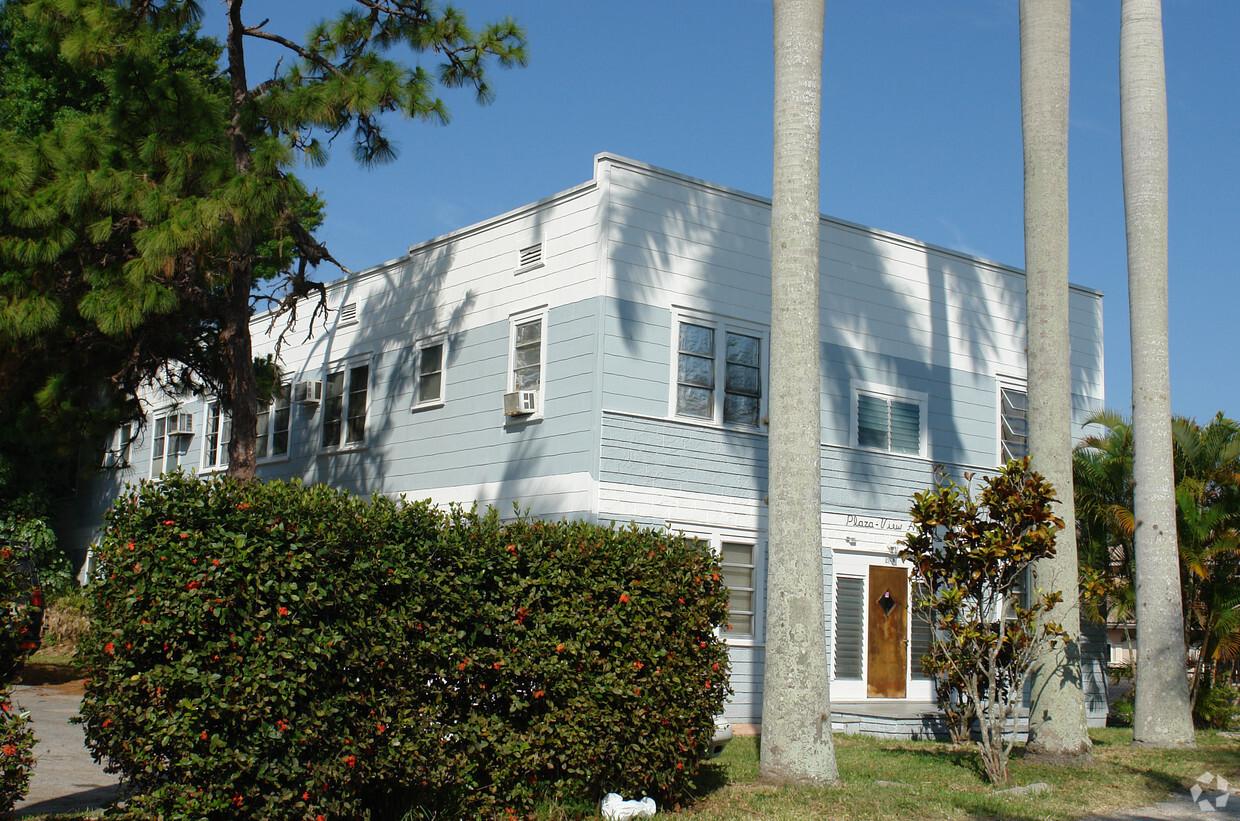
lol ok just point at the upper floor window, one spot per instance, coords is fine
(217, 431)
(118, 447)
(527, 353)
(271, 440)
(889, 421)
(1013, 423)
(718, 373)
(430, 372)
(344, 405)
(170, 434)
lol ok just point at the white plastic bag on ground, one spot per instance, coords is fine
(616, 808)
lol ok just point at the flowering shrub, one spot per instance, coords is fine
(274, 651)
(16, 752)
(17, 621)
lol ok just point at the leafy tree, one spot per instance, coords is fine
(971, 557)
(796, 699)
(1162, 712)
(164, 210)
(1207, 494)
(79, 179)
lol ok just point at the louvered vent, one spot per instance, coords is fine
(348, 313)
(849, 620)
(529, 257)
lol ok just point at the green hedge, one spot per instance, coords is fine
(274, 651)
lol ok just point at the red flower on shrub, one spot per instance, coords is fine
(10, 749)
(283, 611)
(624, 597)
(170, 522)
(243, 506)
(539, 694)
(351, 760)
(193, 585)
(109, 648)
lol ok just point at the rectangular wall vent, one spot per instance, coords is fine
(348, 313)
(529, 257)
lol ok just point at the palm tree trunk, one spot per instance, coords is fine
(796, 700)
(1162, 711)
(1057, 711)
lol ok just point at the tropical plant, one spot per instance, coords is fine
(1207, 495)
(971, 556)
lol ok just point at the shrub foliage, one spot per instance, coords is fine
(274, 651)
(971, 557)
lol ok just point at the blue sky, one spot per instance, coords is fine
(921, 136)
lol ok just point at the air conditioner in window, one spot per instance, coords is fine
(308, 393)
(520, 403)
(181, 424)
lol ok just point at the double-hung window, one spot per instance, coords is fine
(344, 405)
(1013, 423)
(168, 441)
(431, 363)
(719, 372)
(527, 353)
(218, 430)
(889, 421)
(271, 440)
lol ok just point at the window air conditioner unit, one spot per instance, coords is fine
(520, 403)
(181, 424)
(308, 393)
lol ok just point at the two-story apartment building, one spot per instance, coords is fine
(603, 353)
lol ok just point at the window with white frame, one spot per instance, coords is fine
(431, 361)
(217, 430)
(526, 373)
(719, 372)
(740, 575)
(169, 440)
(344, 405)
(889, 421)
(271, 439)
(1013, 422)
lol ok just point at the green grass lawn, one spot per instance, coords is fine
(943, 781)
(931, 780)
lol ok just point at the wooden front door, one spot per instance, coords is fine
(887, 636)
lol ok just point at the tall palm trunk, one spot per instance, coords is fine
(1163, 715)
(1057, 711)
(796, 701)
